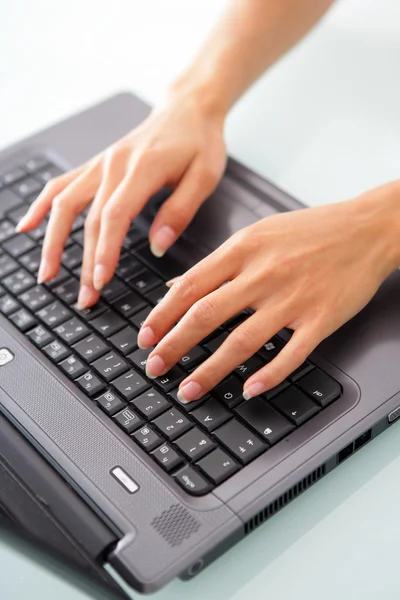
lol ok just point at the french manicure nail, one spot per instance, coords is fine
(21, 223)
(98, 277)
(163, 239)
(146, 338)
(44, 272)
(171, 282)
(254, 389)
(84, 297)
(189, 392)
(155, 367)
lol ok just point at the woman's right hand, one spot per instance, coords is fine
(179, 145)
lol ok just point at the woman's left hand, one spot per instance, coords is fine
(309, 270)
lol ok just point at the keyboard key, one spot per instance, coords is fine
(129, 266)
(7, 230)
(145, 281)
(72, 331)
(79, 237)
(68, 291)
(12, 175)
(269, 394)
(129, 304)
(139, 318)
(211, 414)
(31, 261)
(26, 187)
(151, 404)
(40, 336)
(235, 321)
(16, 214)
(19, 281)
(61, 276)
(108, 323)
(91, 348)
(139, 358)
(8, 304)
(157, 294)
(8, 200)
(111, 404)
(320, 387)
(218, 466)
(2, 290)
(295, 405)
(23, 319)
(7, 265)
(113, 290)
(191, 481)
(54, 314)
(195, 444)
(130, 385)
(250, 366)
(18, 245)
(135, 237)
(269, 350)
(147, 438)
(194, 357)
(35, 163)
(125, 340)
(72, 256)
(172, 423)
(128, 420)
(230, 391)
(90, 384)
(56, 351)
(36, 298)
(90, 313)
(166, 266)
(167, 457)
(171, 379)
(305, 368)
(46, 174)
(215, 343)
(110, 366)
(189, 406)
(73, 367)
(240, 441)
(78, 223)
(270, 424)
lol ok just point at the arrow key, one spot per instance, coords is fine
(295, 405)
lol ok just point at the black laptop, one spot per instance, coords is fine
(107, 467)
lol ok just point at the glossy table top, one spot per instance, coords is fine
(323, 124)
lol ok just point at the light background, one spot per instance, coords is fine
(324, 124)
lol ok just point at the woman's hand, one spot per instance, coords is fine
(310, 271)
(180, 145)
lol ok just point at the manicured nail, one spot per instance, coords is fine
(84, 297)
(155, 367)
(146, 338)
(254, 389)
(163, 239)
(44, 272)
(21, 223)
(98, 277)
(171, 282)
(189, 392)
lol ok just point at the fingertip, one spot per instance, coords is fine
(162, 240)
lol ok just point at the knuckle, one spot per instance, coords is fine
(60, 203)
(203, 311)
(184, 288)
(208, 175)
(52, 186)
(92, 223)
(113, 155)
(113, 211)
(243, 339)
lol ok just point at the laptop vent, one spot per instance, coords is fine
(283, 500)
(175, 525)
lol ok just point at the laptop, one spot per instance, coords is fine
(107, 468)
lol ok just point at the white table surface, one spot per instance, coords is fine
(324, 124)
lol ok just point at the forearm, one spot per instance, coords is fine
(250, 36)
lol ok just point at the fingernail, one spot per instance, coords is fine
(146, 338)
(171, 282)
(21, 224)
(189, 392)
(84, 297)
(163, 239)
(155, 366)
(44, 272)
(98, 277)
(254, 389)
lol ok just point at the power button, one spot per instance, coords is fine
(5, 356)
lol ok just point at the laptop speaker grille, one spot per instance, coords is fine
(283, 500)
(175, 525)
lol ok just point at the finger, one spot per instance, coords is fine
(124, 205)
(202, 279)
(240, 345)
(179, 209)
(300, 346)
(112, 174)
(65, 208)
(41, 206)
(200, 320)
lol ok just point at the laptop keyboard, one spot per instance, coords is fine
(200, 444)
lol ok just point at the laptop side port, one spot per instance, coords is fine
(345, 453)
(394, 415)
(363, 439)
